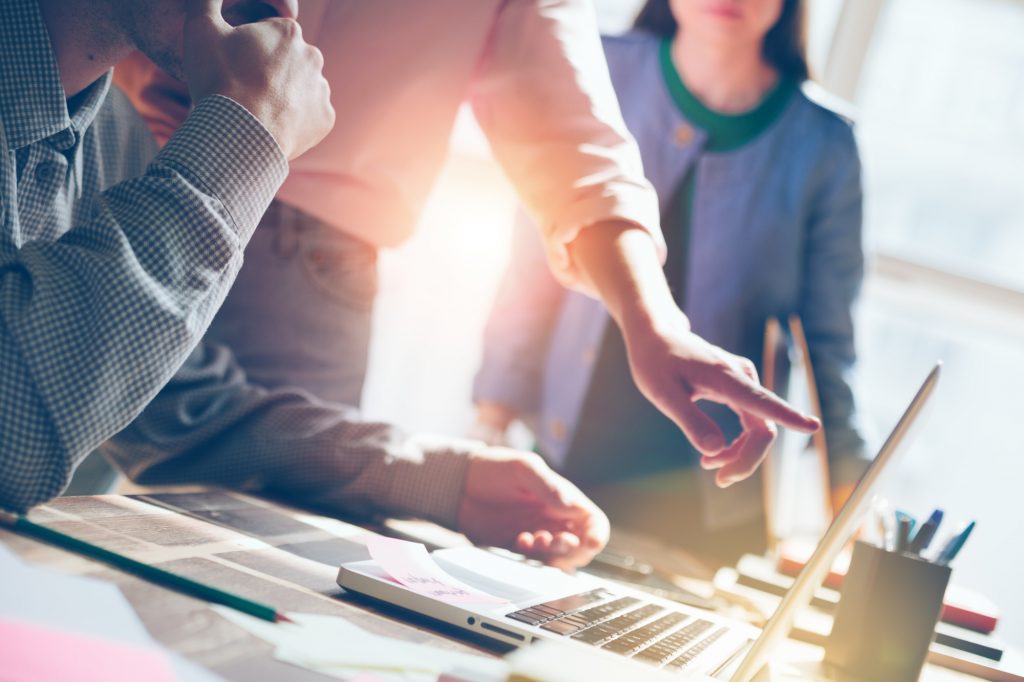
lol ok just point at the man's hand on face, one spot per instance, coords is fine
(266, 67)
(514, 500)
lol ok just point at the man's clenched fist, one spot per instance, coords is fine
(265, 66)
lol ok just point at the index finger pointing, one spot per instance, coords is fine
(745, 395)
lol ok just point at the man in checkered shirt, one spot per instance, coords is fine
(111, 269)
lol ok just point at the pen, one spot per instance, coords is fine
(910, 520)
(884, 521)
(151, 573)
(924, 535)
(954, 545)
(903, 535)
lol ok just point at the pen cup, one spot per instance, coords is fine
(885, 621)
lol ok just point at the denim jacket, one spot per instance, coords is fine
(775, 229)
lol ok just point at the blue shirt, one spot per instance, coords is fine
(775, 229)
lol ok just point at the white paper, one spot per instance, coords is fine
(516, 581)
(409, 564)
(556, 661)
(334, 646)
(79, 604)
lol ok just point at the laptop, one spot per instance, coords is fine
(610, 619)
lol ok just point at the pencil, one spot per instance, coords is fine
(146, 571)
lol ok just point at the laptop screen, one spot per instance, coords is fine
(839, 531)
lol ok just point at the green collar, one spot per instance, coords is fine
(725, 131)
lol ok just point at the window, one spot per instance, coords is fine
(941, 104)
(941, 129)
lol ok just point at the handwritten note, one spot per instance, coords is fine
(410, 565)
(35, 652)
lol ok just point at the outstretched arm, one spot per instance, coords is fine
(210, 425)
(546, 102)
(672, 366)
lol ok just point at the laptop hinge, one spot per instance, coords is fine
(719, 672)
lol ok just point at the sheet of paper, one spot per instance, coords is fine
(35, 652)
(79, 605)
(70, 602)
(517, 581)
(409, 564)
(337, 647)
(555, 661)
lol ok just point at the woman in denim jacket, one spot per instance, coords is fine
(759, 185)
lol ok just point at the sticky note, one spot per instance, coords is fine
(410, 565)
(33, 652)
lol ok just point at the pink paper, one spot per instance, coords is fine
(410, 565)
(29, 653)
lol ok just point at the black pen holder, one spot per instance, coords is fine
(885, 621)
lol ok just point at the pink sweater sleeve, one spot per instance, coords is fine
(544, 99)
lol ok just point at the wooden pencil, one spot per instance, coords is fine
(151, 573)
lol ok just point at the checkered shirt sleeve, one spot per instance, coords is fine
(107, 284)
(96, 319)
(211, 425)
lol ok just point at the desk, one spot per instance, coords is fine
(261, 550)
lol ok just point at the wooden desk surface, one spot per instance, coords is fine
(267, 552)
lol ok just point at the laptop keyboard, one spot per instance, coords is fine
(626, 626)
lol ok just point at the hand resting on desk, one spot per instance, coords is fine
(514, 500)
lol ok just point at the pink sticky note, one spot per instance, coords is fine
(411, 565)
(30, 653)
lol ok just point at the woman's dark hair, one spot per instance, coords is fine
(785, 45)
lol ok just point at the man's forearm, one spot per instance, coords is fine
(673, 367)
(94, 323)
(209, 425)
(620, 262)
